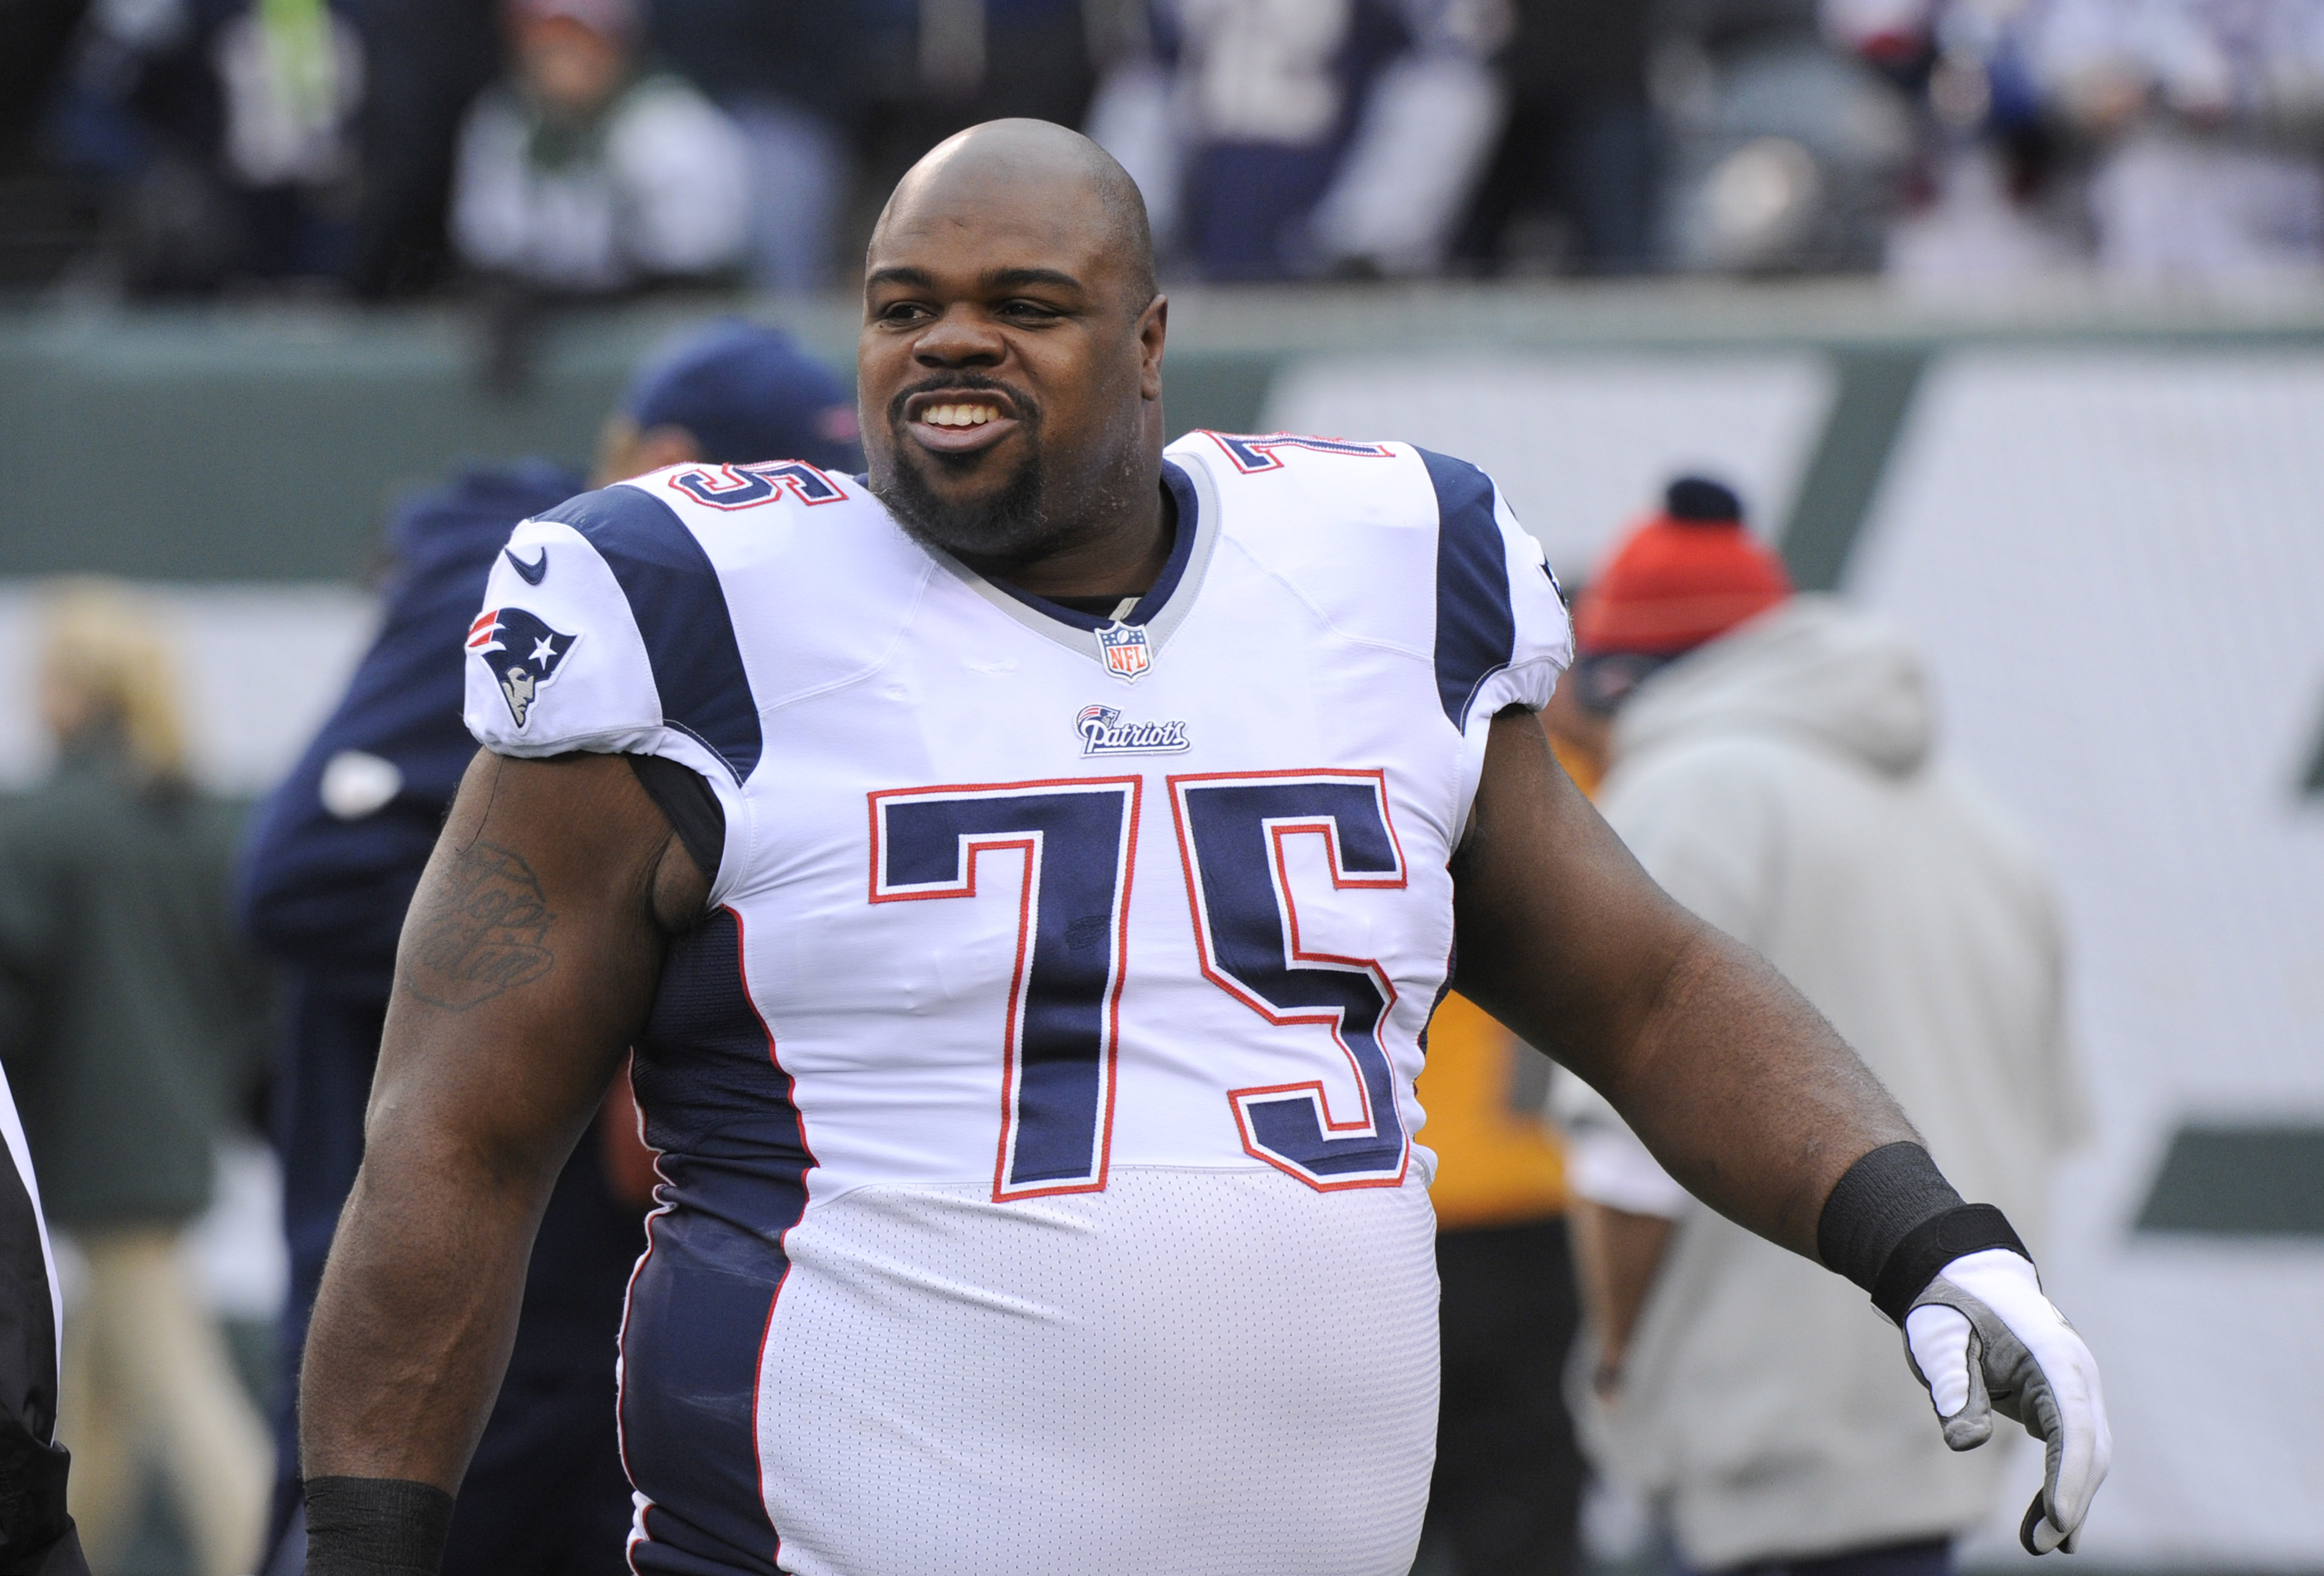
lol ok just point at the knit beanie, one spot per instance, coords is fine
(1688, 575)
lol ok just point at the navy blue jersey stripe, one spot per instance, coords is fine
(1476, 626)
(681, 611)
(734, 1160)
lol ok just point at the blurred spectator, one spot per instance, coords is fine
(1423, 132)
(936, 67)
(1134, 115)
(35, 36)
(49, 216)
(1268, 93)
(425, 62)
(2197, 125)
(1786, 154)
(586, 172)
(1987, 202)
(790, 73)
(1770, 765)
(1306, 137)
(129, 1017)
(973, 61)
(1571, 183)
(36, 1535)
(291, 73)
(330, 867)
(1506, 1497)
(2208, 115)
(139, 110)
(223, 131)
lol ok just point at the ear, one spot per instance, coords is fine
(1153, 327)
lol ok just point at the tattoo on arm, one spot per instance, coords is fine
(482, 929)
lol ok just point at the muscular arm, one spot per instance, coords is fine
(1739, 1087)
(528, 963)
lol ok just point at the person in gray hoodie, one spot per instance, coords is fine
(1769, 759)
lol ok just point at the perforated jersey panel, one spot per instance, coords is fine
(1193, 1373)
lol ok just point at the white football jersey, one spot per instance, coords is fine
(1034, 1106)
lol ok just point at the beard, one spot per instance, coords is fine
(1009, 524)
(1036, 510)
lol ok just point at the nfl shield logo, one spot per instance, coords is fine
(1126, 652)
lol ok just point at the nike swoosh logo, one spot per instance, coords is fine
(533, 571)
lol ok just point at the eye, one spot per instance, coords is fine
(903, 311)
(1029, 311)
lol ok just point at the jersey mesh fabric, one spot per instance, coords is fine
(1105, 1382)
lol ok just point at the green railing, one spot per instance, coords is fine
(247, 442)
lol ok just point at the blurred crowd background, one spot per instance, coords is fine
(2001, 321)
(394, 148)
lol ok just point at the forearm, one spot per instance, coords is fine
(1749, 1100)
(417, 1312)
(1743, 1092)
(526, 970)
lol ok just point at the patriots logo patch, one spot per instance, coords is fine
(523, 653)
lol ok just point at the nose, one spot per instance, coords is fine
(960, 337)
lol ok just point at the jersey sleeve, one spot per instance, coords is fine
(605, 629)
(1501, 633)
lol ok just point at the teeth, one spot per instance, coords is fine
(960, 415)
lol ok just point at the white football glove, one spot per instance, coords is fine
(1984, 1340)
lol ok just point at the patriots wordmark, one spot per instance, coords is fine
(1105, 733)
(483, 931)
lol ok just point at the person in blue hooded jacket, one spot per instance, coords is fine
(333, 858)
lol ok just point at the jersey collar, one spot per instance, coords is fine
(1159, 611)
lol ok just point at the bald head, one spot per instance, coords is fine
(1010, 369)
(1034, 171)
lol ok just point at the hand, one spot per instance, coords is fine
(1984, 1340)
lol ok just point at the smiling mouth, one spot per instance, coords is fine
(960, 421)
(960, 415)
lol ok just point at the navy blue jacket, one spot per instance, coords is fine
(326, 896)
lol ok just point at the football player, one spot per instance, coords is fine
(1040, 1183)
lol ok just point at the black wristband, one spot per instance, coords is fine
(375, 1526)
(1893, 1221)
(1934, 1244)
(1876, 1201)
